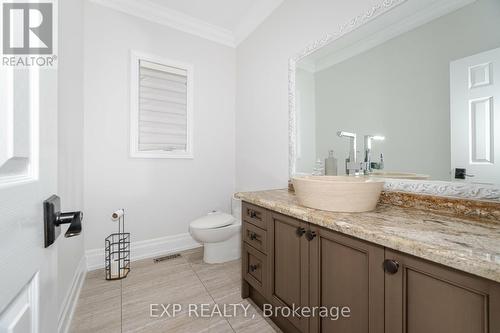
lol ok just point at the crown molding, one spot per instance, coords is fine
(254, 17)
(175, 19)
(172, 18)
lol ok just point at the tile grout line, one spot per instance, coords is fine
(208, 292)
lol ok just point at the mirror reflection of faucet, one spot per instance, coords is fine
(367, 166)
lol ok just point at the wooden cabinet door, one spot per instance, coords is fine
(288, 260)
(423, 297)
(347, 272)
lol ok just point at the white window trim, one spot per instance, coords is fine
(135, 57)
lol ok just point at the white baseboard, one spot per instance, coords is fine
(146, 249)
(71, 299)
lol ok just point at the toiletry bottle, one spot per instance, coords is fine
(318, 170)
(381, 162)
(331, 164)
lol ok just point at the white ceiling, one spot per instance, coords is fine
(224, 13)
(227, 22)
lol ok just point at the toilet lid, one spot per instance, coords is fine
(213, 220)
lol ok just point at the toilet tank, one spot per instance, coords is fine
(236, 208)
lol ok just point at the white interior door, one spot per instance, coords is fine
(28, 175)
(475, 116)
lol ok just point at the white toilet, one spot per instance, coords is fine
(220, 234)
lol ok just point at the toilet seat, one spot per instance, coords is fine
(213, 220)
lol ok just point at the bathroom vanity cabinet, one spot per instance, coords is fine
(287, 262)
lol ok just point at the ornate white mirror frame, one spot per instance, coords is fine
(438, 188)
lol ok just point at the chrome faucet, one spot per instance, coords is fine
(351, 165)
(367, 163)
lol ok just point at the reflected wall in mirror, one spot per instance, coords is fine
(425, 76)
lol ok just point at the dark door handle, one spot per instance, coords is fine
(300, 231)
(253, 268)
(75, 220)
(53, 218)
(461, 173)
(310, 235)
(391, 266)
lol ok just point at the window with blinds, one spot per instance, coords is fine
(161, 108)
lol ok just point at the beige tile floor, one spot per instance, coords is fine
(181, 280)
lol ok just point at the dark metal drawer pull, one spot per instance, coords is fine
(391, 266)
(310, 235)
(253, 236)
(300, 231)
(253, 268)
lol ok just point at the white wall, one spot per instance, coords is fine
(262, 95)
(70, 140)
(160, 197)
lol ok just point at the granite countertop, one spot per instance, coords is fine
(469, 245)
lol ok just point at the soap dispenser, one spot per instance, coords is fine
(330, 164)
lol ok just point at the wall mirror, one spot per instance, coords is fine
(418, 82)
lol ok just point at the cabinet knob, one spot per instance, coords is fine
(300, 231)
(253, 214)
(310, 235)
(253, 236)
(253, 268)
(391, 266)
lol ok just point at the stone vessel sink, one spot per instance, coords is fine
(338, 193)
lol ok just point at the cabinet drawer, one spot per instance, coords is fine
(255, 268)
(255, 215)
(255, 236)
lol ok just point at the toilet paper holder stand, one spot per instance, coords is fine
(117, 250)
